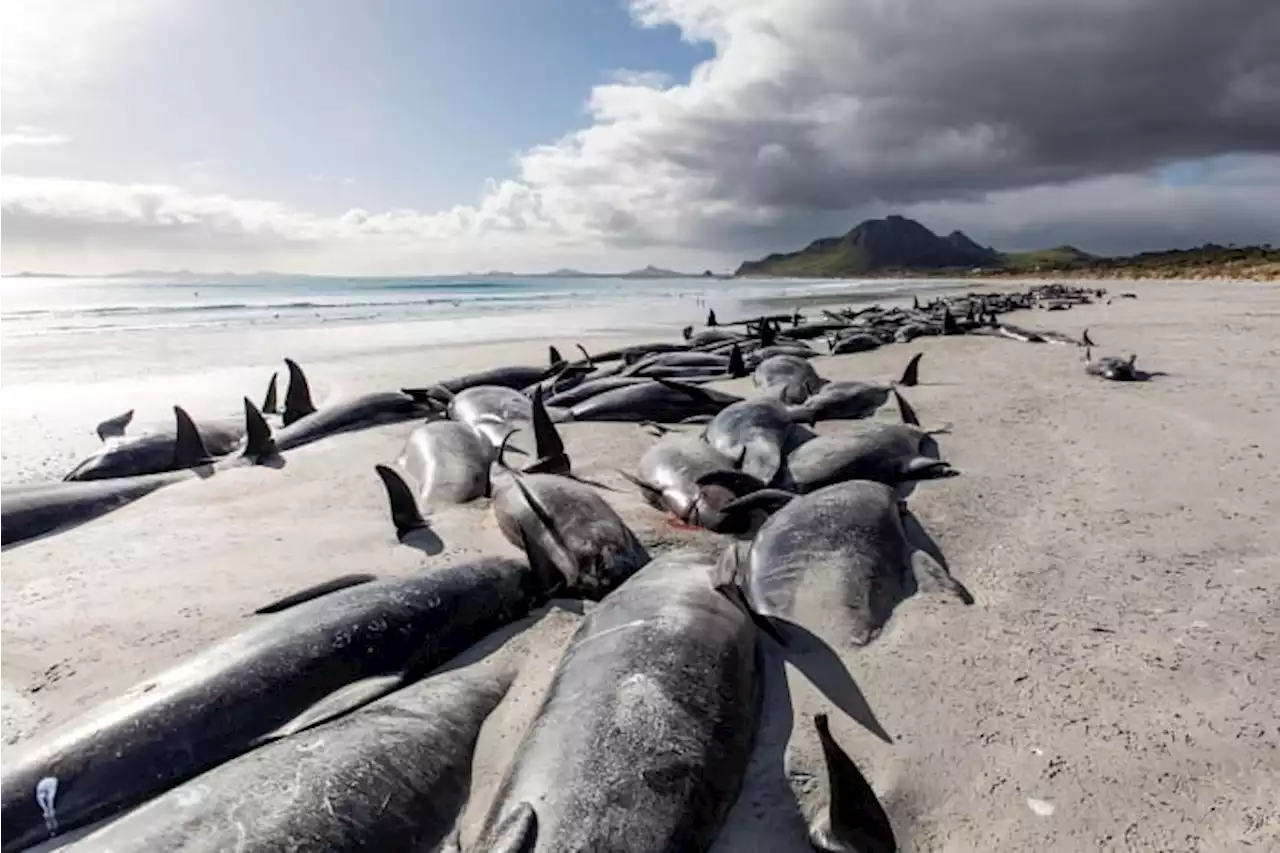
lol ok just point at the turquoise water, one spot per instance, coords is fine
(37, 306)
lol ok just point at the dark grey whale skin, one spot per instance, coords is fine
(380, 407)
(290, 670)
(153, 453)
(31, 510)
(663, 402)
(391, 776)
(644, 737)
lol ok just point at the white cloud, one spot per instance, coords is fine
(29, 136)
(1020, 121)
(815, 107)
(48, 45)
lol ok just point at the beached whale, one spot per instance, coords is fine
(660, 400)
(836, 561)
(668, 475)
(646, 731)
(315, 661)
(448, 462)
(303, 423)
(1111, 367)
(392, 775)
(188, 444)
(567, 523)
(491, 410)
(788, 378)
(31, 510)
(516, 377)
(758, 434)
(853, 399)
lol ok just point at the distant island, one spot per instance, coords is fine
(898, 246)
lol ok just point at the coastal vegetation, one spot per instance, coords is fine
(896, 246)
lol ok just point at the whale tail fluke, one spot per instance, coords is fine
(297, 398)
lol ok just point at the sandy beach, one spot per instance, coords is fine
(1111, 688)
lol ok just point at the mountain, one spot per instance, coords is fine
(877, 245)
(1057, 258)
(654, 272)
(988, 255)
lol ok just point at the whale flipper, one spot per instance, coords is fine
(342, 701)
(115, 427)
(905, 410)
(924, 468)
(739, 482)
(297, 399)
(188, 447)
(313, 592)
(650, 492)
(271, 403)
(854, 820)
(405, 514)
(259, 442)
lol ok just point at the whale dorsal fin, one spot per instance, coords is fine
(271, 402)
(115, 427)
(188, 447)
(911, 376)
(737, 366)
(554, 358)
(311, 593)
(548, 445)
(259, 443)
(405, 514)
(854, 818)
(297, 399)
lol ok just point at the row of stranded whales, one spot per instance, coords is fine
(31, 510)
(398, 768)
(314, 661)
(341, 720)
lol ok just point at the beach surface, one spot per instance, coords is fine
(1111, 688)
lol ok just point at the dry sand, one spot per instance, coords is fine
(1112, 688)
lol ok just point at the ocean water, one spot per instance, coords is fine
(78, 350)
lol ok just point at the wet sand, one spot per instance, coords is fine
(1111, 688)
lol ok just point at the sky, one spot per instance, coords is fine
(438, 136)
